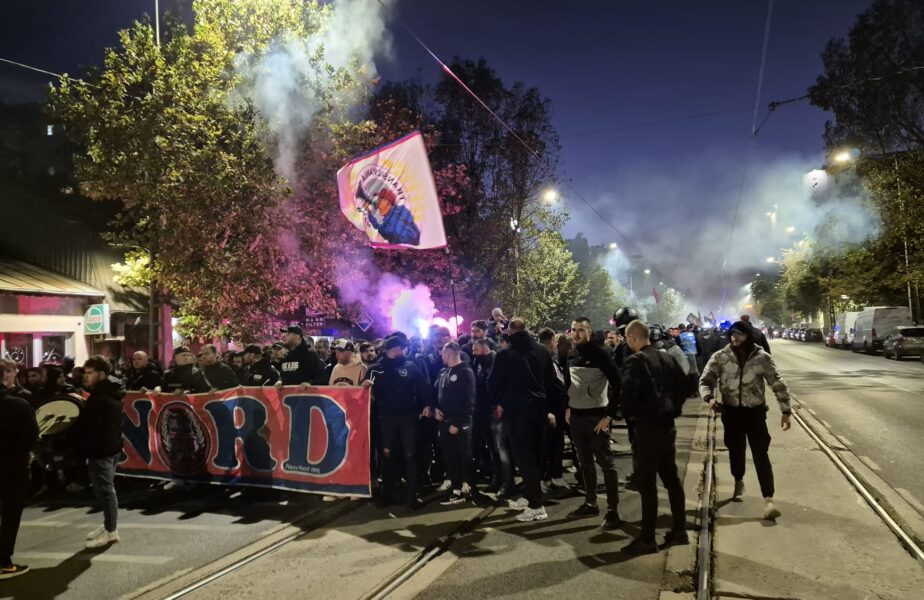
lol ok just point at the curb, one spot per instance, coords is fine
(904, 513)
(679, 579)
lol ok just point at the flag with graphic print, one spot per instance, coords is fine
(389, 194)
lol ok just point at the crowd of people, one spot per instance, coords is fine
(462, 416)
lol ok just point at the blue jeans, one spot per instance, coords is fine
(102, 474)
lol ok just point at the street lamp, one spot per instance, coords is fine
(771, 260)
(647, 271)
(550, 196)
(790, 229)
(613, 245)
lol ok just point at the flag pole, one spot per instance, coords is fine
(452, 286)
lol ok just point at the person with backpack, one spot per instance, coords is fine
(653, 391)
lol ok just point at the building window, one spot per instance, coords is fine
(50, 130)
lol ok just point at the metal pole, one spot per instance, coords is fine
(157, 20)
(901, 208)
(452, 286)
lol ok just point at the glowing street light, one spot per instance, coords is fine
(771, 260)
(550, 196)
(647, 271)
(843, 157)
(790, 230)
(613, 245)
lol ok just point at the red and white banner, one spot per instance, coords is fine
(390, 195)
(314, 440)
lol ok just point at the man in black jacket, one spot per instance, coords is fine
(258, 368)
(402, 394)
(98, 434)
(219, 375)
(18, 433)
(759, 336)
(653, 390)
(302, 365)
(143, 375)
(521, 382)
(455, 411)
(184, 377)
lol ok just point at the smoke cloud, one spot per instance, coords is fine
(289, 83)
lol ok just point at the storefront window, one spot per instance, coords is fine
(17, 347)
(53, 348)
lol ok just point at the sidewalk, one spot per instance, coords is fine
(828, 543)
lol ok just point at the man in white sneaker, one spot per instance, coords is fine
(98, 434)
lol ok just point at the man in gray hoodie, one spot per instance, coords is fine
(589, 415)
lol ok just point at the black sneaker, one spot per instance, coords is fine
(455, 498)
(631, 485)
(415, 503)
(383, 500)
(611, 520)
(10, 571)
(638, 546)
(584, 510)
(677, 537)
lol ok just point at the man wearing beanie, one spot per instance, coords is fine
(184, 377)
(739, 371)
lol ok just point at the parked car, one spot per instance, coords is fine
(831, 340)
(904, 341)
(813, 335)
(875, 323)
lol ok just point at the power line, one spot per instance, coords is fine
(655, 123)
(37, 70)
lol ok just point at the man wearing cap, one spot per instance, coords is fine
(184, 377)
(258, 369)
(348, 370)
(402, 394)
(301, 366)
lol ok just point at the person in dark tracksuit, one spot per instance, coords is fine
(455, 410)
(185, 377)
(402, 394)
(301, 366)
(654, 388)
(589, 415)
(553, 446)
(258, 368)
(18, 434)
(521, 382)
(219, 375)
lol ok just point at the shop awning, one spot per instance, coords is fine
(22, 278)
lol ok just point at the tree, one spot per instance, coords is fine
(166, 131)
(872, 81)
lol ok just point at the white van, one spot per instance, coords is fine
(874, 324)
(847, 329)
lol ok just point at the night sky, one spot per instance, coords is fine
(611, 69)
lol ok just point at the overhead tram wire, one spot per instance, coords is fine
(750, 148)
(504, 124)
(43, 71)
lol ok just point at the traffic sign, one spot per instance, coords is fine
(365, 321)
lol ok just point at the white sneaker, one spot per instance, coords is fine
(533, 514)
(445, 486)
(96, 532)
(521, 504)
(560, 483)
(329, 499)
(771, 513)
(739, 488)
(466, 489)
(105, 539)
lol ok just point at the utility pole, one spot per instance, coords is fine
(157, 21)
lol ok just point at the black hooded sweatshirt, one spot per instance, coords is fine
(18, 429)
(187, 378)
(523, 377)
(98, 430)
(456, 392)
(302, 365)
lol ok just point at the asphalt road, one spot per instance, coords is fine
(873, 405)
(163, 532)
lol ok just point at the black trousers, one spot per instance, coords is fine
(553, 448)
(457, 454)
(14, 486)
(748, 427)
(594, 449)
(399, 432)
(657, 457)
(429, 451)
(525, 433)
